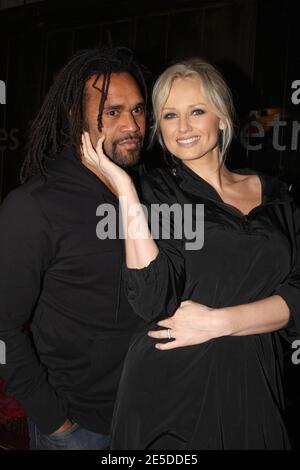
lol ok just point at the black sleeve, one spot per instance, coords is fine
(25, 252)
(289, 290)
(155, 291)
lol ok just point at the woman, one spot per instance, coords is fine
(213, 379)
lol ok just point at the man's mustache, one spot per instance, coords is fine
(136, 137)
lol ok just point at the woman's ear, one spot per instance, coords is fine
(221, 125)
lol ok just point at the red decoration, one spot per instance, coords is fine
(10, 408)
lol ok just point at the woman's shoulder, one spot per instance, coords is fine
(274, 187)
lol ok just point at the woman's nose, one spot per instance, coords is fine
(184, 124)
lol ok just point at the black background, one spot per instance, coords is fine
(255, 43)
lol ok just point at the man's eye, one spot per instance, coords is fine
(198, 112)
(112, 113)
(138, 110)
(169, 115)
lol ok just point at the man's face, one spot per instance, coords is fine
(123, 117)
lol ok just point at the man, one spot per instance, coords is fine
(54, 270)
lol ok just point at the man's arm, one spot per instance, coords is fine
(25, 253)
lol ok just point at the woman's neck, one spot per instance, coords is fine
(209, 169)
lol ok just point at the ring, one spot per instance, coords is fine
(169, 334)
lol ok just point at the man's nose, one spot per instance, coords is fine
(129, 123)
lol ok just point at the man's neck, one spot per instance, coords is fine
(98, 174)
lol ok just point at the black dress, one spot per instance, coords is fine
(225, 393)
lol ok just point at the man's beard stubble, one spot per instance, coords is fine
(128, 157)
(133, 155)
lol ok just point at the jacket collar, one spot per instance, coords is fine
(273, 189)
(67, 169)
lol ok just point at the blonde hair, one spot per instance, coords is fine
(214, 88)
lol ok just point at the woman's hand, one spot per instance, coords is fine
(192, 323)
(117, 178)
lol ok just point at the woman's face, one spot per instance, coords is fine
(189, 129)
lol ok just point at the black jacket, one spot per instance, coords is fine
(225, 393)
(171, 276)
(55, 271)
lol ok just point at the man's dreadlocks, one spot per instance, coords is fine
(65, 104)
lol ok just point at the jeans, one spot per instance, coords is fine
(75, 438)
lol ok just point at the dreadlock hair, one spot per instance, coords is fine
(61, 117)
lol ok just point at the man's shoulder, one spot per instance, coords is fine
(25, 199)
(34, 187)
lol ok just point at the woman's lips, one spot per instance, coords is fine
(188, 142)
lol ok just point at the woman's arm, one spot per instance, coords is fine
(261, 316)
(141, 249)
(154, 278)
(194, 323)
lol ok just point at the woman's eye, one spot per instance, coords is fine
(197, 112)
(169, 116)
